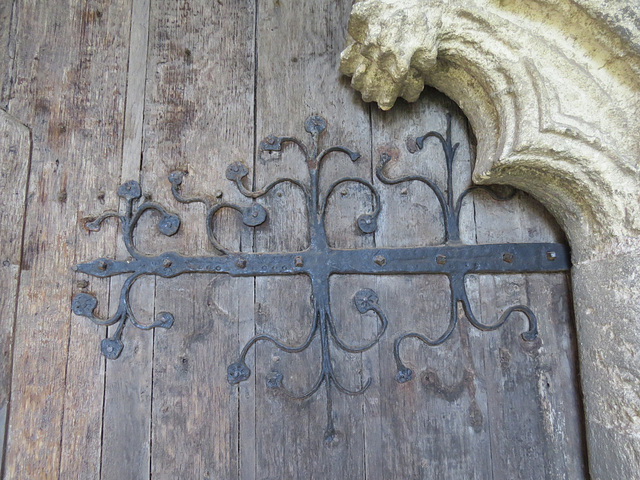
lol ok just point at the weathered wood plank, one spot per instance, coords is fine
(470, 424)
(298, 47)
(126, 445)
(198, 118)
(430, 427)
(7, 50)
(532, 388)
(15, 154)
(105, 44)
(6, 8)
(71, 94)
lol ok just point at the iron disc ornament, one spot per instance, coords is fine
(319, 261)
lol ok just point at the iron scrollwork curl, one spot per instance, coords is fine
(451, 208)
(319, 261)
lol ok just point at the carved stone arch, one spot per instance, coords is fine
(552, 91)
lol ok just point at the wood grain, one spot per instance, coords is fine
(198, 119)
(7, 50)
(126, 438)
(71, 94)
(460, 386)
(533, 397)
(106, 28)
(298, 48)
(431, 427)
(15, 150)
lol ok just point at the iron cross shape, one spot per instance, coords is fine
(319, 261)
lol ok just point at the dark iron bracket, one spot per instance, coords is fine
(319, 261)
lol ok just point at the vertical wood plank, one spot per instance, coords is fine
(15, 151)
(126, 444)
(434, 426)
(7, 50)
(298, 51)
(107, 26)
(71, 94)
(532, 387)
(474, 418)
(6, 9)
(198, 119)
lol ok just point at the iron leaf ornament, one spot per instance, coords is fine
(319, 261)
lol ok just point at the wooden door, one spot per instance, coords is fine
(100, 92)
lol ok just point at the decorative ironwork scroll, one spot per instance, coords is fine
(319, 261)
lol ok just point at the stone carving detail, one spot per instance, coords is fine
(549, 88)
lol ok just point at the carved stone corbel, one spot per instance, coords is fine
(552, 91)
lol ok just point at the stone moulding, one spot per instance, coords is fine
(552, 91)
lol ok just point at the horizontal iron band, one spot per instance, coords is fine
(447, 259)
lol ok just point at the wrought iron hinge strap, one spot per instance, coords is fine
(319, 261)
(447, 260)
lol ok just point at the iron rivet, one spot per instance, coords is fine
(441, 259)
(379, 260)
(166, 263)
(507, 257)
(241, 263)
(102, 265)
(551, 256)
(109, 349)
(298, 261)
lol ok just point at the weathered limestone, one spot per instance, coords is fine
(552, 90)
(607, 308)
